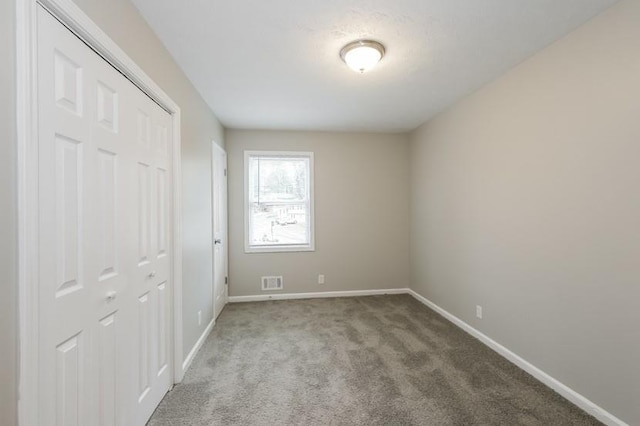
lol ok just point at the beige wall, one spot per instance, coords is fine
(8, 241)
(525, 200)
(361, 211)
(122, 22)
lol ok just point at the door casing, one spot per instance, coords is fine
(82, 26)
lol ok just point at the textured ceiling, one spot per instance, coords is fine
(275, 64)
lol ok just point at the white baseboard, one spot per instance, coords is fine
(194, 351)
(316, 295)
(568, 393)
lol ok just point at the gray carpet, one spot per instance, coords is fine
(380, 360)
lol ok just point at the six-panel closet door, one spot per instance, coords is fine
(105, 239)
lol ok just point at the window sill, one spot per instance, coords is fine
(279, 249)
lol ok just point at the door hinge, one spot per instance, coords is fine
(225, 172)
(226, 280)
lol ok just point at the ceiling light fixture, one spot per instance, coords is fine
(362, 55)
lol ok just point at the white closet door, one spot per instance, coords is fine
(105, 248)
(151, 266)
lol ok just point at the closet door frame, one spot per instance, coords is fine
(69, 14)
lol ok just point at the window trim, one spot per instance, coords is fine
(311, 246)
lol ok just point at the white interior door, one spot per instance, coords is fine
(220, 245)
(105, 248)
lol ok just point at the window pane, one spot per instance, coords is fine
(279, 179)
(279, 200)
(279, 224)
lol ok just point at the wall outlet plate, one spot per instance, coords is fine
(479, 311)
(321, 279)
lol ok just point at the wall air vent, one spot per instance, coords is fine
(272, 283)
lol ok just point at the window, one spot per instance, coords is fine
(278, 201)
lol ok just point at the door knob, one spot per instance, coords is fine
(111, 295)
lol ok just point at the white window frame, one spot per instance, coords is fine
(248, 248)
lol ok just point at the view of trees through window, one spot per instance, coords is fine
(279, 200)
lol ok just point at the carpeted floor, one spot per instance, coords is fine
(379, 360)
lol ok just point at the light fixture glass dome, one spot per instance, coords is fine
(362, 55)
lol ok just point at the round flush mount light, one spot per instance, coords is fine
(362, 55)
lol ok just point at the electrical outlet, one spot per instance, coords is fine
(199, 317)
(479, 311)
(321, 279)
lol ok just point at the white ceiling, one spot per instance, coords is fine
(274, 64)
